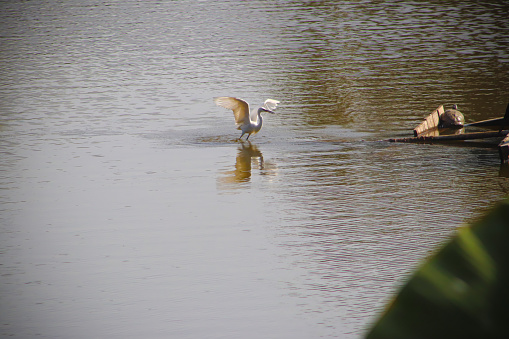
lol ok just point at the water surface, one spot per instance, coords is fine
(129, 209)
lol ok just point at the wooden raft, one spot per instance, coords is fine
(428, 132)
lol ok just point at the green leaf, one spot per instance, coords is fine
(461, 292)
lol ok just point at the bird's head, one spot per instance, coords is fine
(454, 106)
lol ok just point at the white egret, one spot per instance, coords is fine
(247, 123)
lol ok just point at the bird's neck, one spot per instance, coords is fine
(260, 119)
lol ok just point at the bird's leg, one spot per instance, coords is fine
(248, 136)
(241, 135)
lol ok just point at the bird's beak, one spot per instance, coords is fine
(269, 111)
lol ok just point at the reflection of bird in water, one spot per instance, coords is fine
(243, 161)
(247, 123)
(247, 155)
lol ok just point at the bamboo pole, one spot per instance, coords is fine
(453, 137)
(496, 123)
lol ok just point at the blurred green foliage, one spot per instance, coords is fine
(461, 292)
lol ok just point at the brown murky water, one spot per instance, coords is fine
(129, 209)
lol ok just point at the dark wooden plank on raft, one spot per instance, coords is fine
(453, 137)
(430, 122)
(498, 123)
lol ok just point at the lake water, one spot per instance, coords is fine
(130, 210)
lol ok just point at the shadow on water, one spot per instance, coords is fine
(248, 156)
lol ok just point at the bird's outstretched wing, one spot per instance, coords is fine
(239, 107)
(270, 104)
